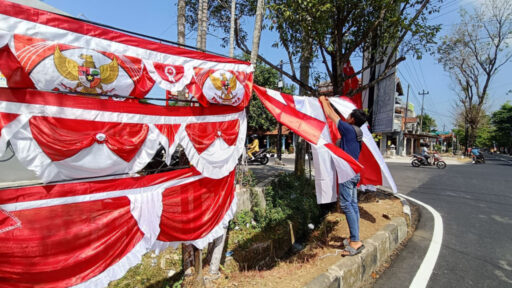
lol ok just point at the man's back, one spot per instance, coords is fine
(349, 141)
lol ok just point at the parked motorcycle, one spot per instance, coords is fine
(260, 157)
(418, 160)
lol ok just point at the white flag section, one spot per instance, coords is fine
(305, 117)
(345, 107)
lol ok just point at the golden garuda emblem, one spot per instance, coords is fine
(225, 86)
(89, 78)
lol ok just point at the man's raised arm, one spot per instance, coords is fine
(329, 111)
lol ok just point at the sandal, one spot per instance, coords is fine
(351, 251)
(346, 242)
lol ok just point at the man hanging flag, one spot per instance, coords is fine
(305, 117)
(376, 171)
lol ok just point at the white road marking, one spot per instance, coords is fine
(502, 276)
(427, 266)
(505, 220)
(503, 264)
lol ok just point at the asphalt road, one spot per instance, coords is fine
(475, 204)
(263, 172)
(13, 173)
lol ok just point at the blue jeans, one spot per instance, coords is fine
(348, 203)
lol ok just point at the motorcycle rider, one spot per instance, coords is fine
(425, 153)
(254, 146)
(475, 152)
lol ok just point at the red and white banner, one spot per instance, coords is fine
(56, 53)
(61, 137)
(305, 117)
(297, 113)
(90, 233)
(376, 170)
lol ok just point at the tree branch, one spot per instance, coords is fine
(242, 46)
(402, 37)
(324, 60)
(381, 77)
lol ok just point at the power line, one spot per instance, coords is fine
(422, 74)
(413, 78)
(410, 83)
(413, 75)
(439, 114)
(412, 88)
(417, 74)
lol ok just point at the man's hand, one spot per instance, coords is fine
(328, 109)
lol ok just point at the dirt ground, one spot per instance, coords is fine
(322, 251)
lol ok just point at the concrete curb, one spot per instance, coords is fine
(353, 271)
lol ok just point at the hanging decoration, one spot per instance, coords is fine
(61, 142)
(56, 53)
(73, 110)
(90, 233)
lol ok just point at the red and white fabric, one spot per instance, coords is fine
(90, 233)
(8, 221)
(221, 87)
(282, 107)
(305, 117)
(376, 170)
(64, 137)
(49, 48)
(352, 84)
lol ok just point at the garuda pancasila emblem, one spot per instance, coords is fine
(225, 86)
(90, 78)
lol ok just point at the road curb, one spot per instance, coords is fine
(353, 271)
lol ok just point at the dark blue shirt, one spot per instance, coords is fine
(349, 141)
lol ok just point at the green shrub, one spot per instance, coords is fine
(291, 197)
(245, 178)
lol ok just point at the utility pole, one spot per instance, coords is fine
(280, 85)
(423, 93)
(402, 130)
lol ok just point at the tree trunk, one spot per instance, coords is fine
(260, 11)
(204, 28)
(199, 41)
(305, 63)
(181, 21)
(191, 255)
(232, 30)
(300, 157)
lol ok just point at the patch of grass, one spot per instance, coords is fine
(153, 271)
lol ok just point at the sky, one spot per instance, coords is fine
(158, 18)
